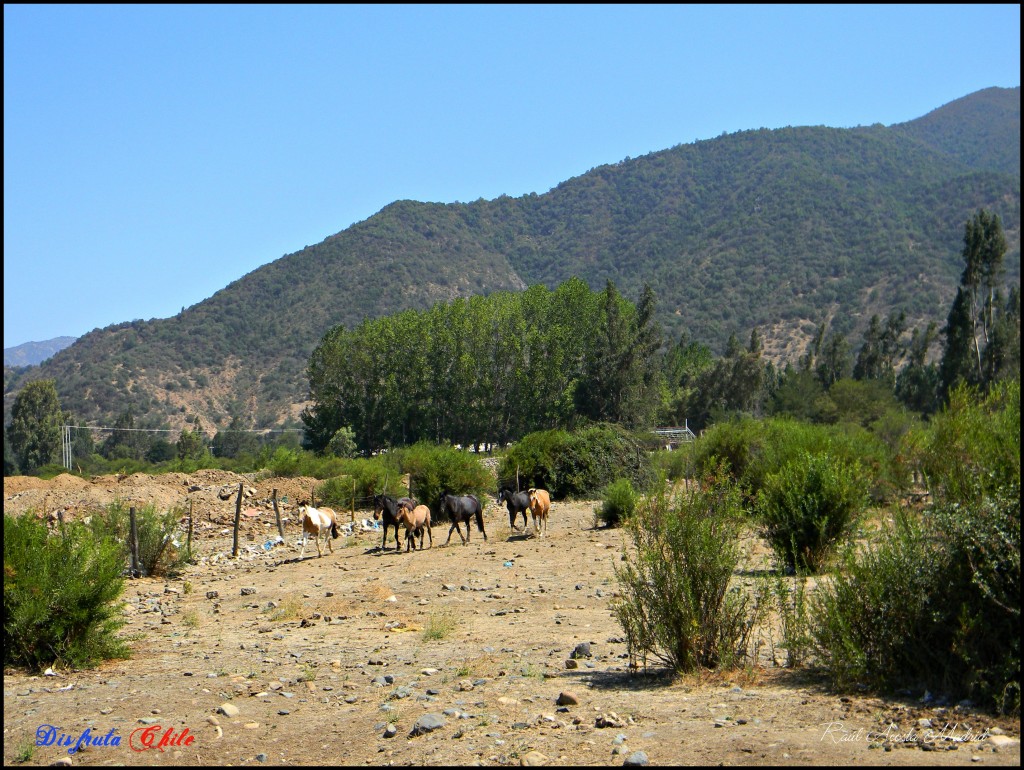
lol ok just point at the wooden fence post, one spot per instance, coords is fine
(277, 514)
(188, 544)
(352, 510)
(238, 516)
(133, 543)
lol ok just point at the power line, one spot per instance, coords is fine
(173, 430)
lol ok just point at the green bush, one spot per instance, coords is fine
(676, 604)
(972, 448)
(675, 465)
(59, 594)
(362, 477)
(619, 503)
(935, 603)
(754, 449)
(579, 464)
(161, 551)
(433, 469)
(807, 507)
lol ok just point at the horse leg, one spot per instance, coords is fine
(431, 535)
(303, 544)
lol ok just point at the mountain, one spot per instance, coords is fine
(32, 353)
(775, 229)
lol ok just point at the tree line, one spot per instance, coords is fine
(492, 369)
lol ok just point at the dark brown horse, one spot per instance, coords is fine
(385, 508)
(461, 509)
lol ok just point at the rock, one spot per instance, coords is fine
(571, 664)
(426, 724)
(533, 759)
(228, 709)
(582, 650)
(636, 758)
(212, 594)
(1001, 741)
(390, 731)
(62, 762)
(611, 719)
(213, 720)
(566, 698)
(261, 757)
(248, 591)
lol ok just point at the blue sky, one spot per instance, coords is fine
(155, 154)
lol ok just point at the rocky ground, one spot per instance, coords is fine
(497, 652)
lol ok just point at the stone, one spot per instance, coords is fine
(427, 723)
(582, 650)
(228, 709)
(533, 759)
(567, 698)
(636, 758)
(570, 664)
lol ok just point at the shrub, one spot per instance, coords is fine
(579, 464)
(936, 602)
(433, 469)
(754, 449)
(807, 507)
(972, 449)
(59, 594)
(361, 477)
(160, 552)
(675, 465)
(676, 604)
(619, 503)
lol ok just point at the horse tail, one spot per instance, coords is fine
(334, 529)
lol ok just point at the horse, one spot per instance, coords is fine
(540, 504)
(316, 522)
(517, 502)
(462, 509)
(385, 508)
(415, 520)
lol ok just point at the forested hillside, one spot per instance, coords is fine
(778, 230)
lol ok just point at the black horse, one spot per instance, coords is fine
(385, 508)
(462, 509)
(517, 502)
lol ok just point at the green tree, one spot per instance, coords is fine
(125, 441)
(835, 361)
(917, 384)
(984, 249)
(234, 441)
(36, 425)
(191, 443)
(881, 349)
(956, 366)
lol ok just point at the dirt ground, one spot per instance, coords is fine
(454, 655)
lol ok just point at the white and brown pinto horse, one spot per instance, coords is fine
(316, 522)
